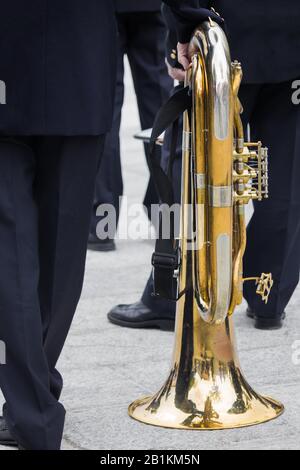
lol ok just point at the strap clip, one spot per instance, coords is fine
(165, 274)
(165, 261)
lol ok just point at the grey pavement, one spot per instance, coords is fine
(106, 367)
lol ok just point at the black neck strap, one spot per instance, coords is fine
(165, 259)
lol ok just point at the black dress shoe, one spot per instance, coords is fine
(139, 316)
(263, 323)
(5, 436)
(95, 244)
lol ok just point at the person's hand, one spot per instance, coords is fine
(184, 60)
(175, 73)
(183, 55)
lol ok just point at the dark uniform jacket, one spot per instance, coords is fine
(264, 34)
(137, 5)
(57, 58)
(57, 63)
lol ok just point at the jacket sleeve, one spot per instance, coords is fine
(171, 38)
(188, 14)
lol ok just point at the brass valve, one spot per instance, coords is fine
(250, 173)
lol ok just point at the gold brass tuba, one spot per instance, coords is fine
(221, 174)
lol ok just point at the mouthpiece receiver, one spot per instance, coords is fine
(264, 285)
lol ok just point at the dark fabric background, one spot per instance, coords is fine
(138, 5)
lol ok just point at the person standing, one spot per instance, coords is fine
(57, 87)
(266, 94)
(56, 107)
(141, 36)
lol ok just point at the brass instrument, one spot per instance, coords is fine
(221, 174)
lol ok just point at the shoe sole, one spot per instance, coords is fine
(8, 443)
(96, 247)
(261, 325)
(164, 325)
